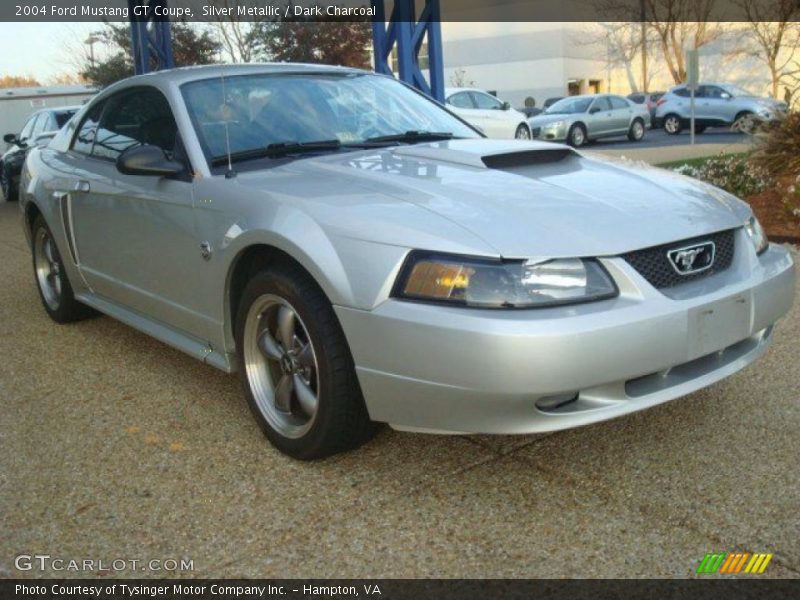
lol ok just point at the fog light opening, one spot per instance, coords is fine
(551, 403)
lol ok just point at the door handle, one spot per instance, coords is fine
(82, 186)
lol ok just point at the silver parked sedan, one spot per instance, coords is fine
(581, 119)
(370, 257)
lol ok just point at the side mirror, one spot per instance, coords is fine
(11, 138)
(725, 96)
(147, 160)
(506, 106)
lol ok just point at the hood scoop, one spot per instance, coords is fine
(489, 154)
(527, 158)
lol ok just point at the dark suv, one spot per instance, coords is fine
(37, 127)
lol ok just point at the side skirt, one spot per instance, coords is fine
(194, 347)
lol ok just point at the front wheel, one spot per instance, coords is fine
(522, 132)
(296, 369)
(576, 136)
(636, 131)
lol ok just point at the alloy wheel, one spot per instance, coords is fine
(577, 137)
(671, 125)
(48, 268)
(638, 130)
(281, 366)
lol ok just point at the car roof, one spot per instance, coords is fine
(454, 90)
(181, 75)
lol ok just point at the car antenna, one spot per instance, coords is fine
(230, 173)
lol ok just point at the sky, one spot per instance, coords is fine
(41, 50)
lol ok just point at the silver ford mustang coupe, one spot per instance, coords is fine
(361, 255)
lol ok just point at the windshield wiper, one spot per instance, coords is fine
(277, 150)
(413, 137)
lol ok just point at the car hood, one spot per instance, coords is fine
(522, 199)
(541, 120)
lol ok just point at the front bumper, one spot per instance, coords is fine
(442, 369)
(549, 133)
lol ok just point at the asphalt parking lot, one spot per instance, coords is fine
(115, 446)
(655, 138)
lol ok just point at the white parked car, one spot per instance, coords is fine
(494, 117)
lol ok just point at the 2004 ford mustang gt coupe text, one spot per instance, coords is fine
(360, 255)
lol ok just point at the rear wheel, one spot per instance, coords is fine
(7, 185)
(673, 124)
(296, 369)
(576, 136)
(51, 278)
(636, 131)
(522, 132)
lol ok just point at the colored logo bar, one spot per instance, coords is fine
(734, 562)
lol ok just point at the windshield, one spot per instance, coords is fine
(736, 91)
(569, 106)
(264, 110)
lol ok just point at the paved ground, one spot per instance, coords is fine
(659, 138)
(113, 445)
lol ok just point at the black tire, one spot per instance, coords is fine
(673, 124)
(10, 192)
(523, 132)
(576, 137)
(636, 131)
(66, 309)
(341, 422)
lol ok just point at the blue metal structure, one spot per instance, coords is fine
(407, 33)
(152, 44)
(151, 40)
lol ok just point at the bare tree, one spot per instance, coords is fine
(774, 35)
(459, 79)
(624, 43)
(681, 25)
(239, 37)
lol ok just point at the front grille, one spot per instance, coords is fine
(654, 265)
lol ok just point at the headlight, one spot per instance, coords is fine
(487, 283)
(756, 234)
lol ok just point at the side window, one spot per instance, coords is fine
(602, 103)
(486, 102)
(639, 99)
(460, 100)
(27, 129)
(84, 139)
(682, 92)
(617, 102)
(135, 117)
(711, 91)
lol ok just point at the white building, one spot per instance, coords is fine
(543, 60)
(17, 104)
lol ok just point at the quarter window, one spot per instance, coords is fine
(84, 140)
(617, 102)
(135, 117)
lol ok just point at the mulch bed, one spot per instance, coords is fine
(781, 226)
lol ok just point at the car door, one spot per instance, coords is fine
(134, 234)
(621, 115)
(720, 105)
(461, 103)
(492, 114)
(598, 117)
